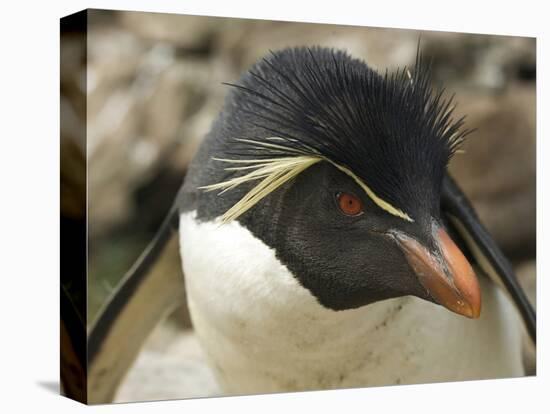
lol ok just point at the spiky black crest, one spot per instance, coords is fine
(392, 131)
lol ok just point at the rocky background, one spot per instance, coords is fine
(154, 86)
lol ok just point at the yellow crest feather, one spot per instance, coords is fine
(274, 172)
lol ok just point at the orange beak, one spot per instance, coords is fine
(446, 274)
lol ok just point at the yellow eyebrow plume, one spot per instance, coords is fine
(274, 172)
(384, 205)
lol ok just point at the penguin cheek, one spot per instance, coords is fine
(385, 272)
(365, 273)
(393, 275)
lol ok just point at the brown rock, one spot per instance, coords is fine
(498, 169)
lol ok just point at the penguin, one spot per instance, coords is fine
(323, 242)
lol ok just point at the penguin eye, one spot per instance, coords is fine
(349, 204)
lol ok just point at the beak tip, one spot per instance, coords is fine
(475, 308)
(472, 312)
(456, 286)
(470, 308)
(469, 293)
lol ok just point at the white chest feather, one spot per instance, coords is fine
(264, 332)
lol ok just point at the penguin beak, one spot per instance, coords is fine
(444, 272)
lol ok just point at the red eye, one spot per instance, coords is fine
(349, 204)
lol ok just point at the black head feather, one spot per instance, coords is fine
(392, 134)
(393, 130)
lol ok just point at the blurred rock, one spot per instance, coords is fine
(148, 107)
(477, 63)
(498, 168)
(191, 32)
(250, 41)
(72, 125)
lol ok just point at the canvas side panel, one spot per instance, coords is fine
(73, 261)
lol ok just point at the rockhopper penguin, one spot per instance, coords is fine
(324, 244)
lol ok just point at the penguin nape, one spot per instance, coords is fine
(324, 244)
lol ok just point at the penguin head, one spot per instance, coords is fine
(339, 169)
